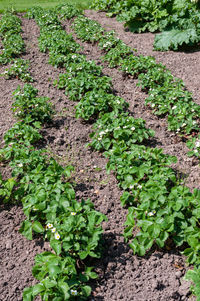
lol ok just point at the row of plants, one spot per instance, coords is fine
(40, 183)
(178, 21)
(161, 209)
(167, 95)
(10, 24)
(13, 47)
(10, 34)
(73, 228)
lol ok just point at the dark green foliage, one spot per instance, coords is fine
(178, 20)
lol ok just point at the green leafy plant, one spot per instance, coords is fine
(7, 189)
(194, 145)
(76, 87)
(67, 11)
(13, 44)
(99, 102)
(87, 30)
(177, 20)
(120, 129)
(18, 69)
(58, 279)
(28, 105)
(194, 276)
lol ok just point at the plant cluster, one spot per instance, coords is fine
(118, 128)
(167, 94)
(13, 44)
(161, 209)
(19, 69)
(177, 20)
(90, 33)
(96, 102)
(76, 87)
(67, 11)
(28, 104)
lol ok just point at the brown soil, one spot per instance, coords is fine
(123, 276)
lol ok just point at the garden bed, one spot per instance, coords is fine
(122, 276)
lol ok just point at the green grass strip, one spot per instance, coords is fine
(24, 5)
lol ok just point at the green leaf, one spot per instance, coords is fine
(27, 294)
(65, 288)
(54, 269)
(154, 230)
(26, 229)
(86, 290)
(193, 242)
(37, 289)
(174, 38)
(83, 254)
(37, 227)
(56, 246)
(192, 275)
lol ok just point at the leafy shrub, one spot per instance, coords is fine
(177, 20)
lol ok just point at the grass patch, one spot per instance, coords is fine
(23, 5)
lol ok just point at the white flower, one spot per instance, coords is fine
(73, 213)
(194, 122)
(174, 107)
(184, 124)
(195, 151)
(20, 165)
(53, 230)
(99, 139)
(49, 226)
(131, 187)
(57, 236)
(153, 105)
(197, 143)
(125, 127)
(140, 186)
(102, 133)
(133, 128)
(74, 292)
(192, 110)
(152, 213)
